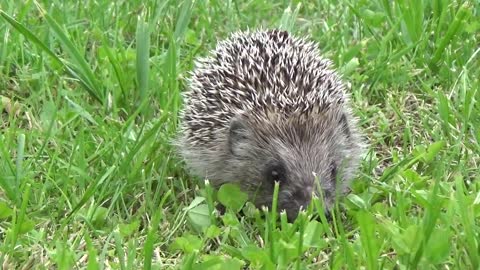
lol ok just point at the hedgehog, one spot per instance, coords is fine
(263, 107)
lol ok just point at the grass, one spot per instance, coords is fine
(90, 93)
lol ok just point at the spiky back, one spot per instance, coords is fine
(253, 73)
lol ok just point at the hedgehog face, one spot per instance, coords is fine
(295, 192)
(300, 178)
(304, 158)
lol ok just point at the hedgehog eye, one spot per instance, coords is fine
(275, 173)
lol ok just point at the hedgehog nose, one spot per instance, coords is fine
(303, 198)
(308, 195)
(306, 201)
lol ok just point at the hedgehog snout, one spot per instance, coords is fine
(296, 202)
(303, 197)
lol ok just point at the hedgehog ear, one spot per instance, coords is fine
(238, 137)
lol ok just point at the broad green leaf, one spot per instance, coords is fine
(232, 263)
(357, 201)
(26, 226)
(5, 210)
(199, 217)
(408, 241)
(187, 243)
(232, 197)
(129, 228)
(100, 217)
(196, 202)
(257, 256)
(212, 232)
(432, 151)
(313, 235)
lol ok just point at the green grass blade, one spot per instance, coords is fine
(118, 245)
(170, 76)
(118, 70)
(33, 38)
(140, 142)
(142, 60)
(367, 237)
(84, 69)
(4, 47)
(430, 219)
(19, 164)
(412, 19)
(92, 263)
(468, 221)
(287, 22)
(273, 221)
(30, 36)
(302, 223)
(21, 215)
(90, 190)
(183, 19)
(453, 29)
(152, 234)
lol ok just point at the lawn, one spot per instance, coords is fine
(90, 95)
